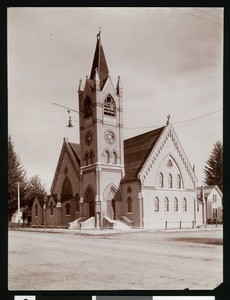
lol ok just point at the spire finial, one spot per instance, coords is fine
(99, 34)
(168, 118)
(80, 86)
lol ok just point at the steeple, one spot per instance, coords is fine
(99, 63)
(119, 87)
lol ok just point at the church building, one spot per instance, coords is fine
(105, 181)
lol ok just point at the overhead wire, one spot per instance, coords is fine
(205, 12)
(179, 9)
(183, 111)
(192, 119)
(197, 104)
(170, 88)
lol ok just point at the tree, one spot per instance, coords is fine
(16, 173)
(34, 188)
(28, 188)
(213, 170)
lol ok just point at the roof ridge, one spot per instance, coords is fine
(142, 134)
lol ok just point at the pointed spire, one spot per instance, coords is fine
(80, 89)
(168, 118)
(119, 87)
(97, 80)
(99, 62)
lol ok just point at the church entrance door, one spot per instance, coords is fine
(89, 198)
(111, 209)
(91, 209)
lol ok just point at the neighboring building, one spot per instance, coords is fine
(15, 218)
(212, 198)
(145, 181)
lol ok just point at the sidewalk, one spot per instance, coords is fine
(107, 232)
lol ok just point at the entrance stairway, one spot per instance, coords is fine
(114, 224)
(76, 224)
(88, 224)
(83, 223)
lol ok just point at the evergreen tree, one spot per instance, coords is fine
(34, 188)
(213, 170)
(16, 173)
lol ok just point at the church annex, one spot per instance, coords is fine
(106, 182)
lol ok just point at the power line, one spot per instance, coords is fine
(198, 117)
(205, 12)
(198, 17)
(186, 109)
(197, 103)
(171, 88)
(192, 119)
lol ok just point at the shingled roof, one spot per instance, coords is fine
(137, 150)
(75, 152)
(207, 189)
(99, 63)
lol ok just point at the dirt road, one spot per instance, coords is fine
(127, 261)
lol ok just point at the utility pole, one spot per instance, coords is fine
(18, 205)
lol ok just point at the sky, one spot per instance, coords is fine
(170, 61)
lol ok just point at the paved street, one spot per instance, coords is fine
(118, 261)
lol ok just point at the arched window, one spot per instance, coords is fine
(67, 188)
(109, 106)
(87, 108)
(166, 204)
(161, 180)
(129, 190)
(114, 157)
(86, 158)
(77, 199)
(91, 156)
(184, 204)
(36, 210)
(175, 204)
(156, 204)
(129, 202)
(178, 181)
(107, 156)
(67, 209)
(51, 209)
(170, 181)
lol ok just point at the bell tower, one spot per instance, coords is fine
(101, 140)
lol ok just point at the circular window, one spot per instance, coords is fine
(110, 136)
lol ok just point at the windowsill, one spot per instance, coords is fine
(129, 213)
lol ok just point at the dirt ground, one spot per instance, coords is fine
(118, 261)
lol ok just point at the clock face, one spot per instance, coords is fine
(110, 136)
(88, 138)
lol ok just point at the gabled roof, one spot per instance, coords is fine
(207, 189)
(137, 150)
(63, 198)
(73, 152)
(99, 63)
(40, 199)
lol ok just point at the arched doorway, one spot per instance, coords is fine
(89, 198)
(111, 209)
(110, 196)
